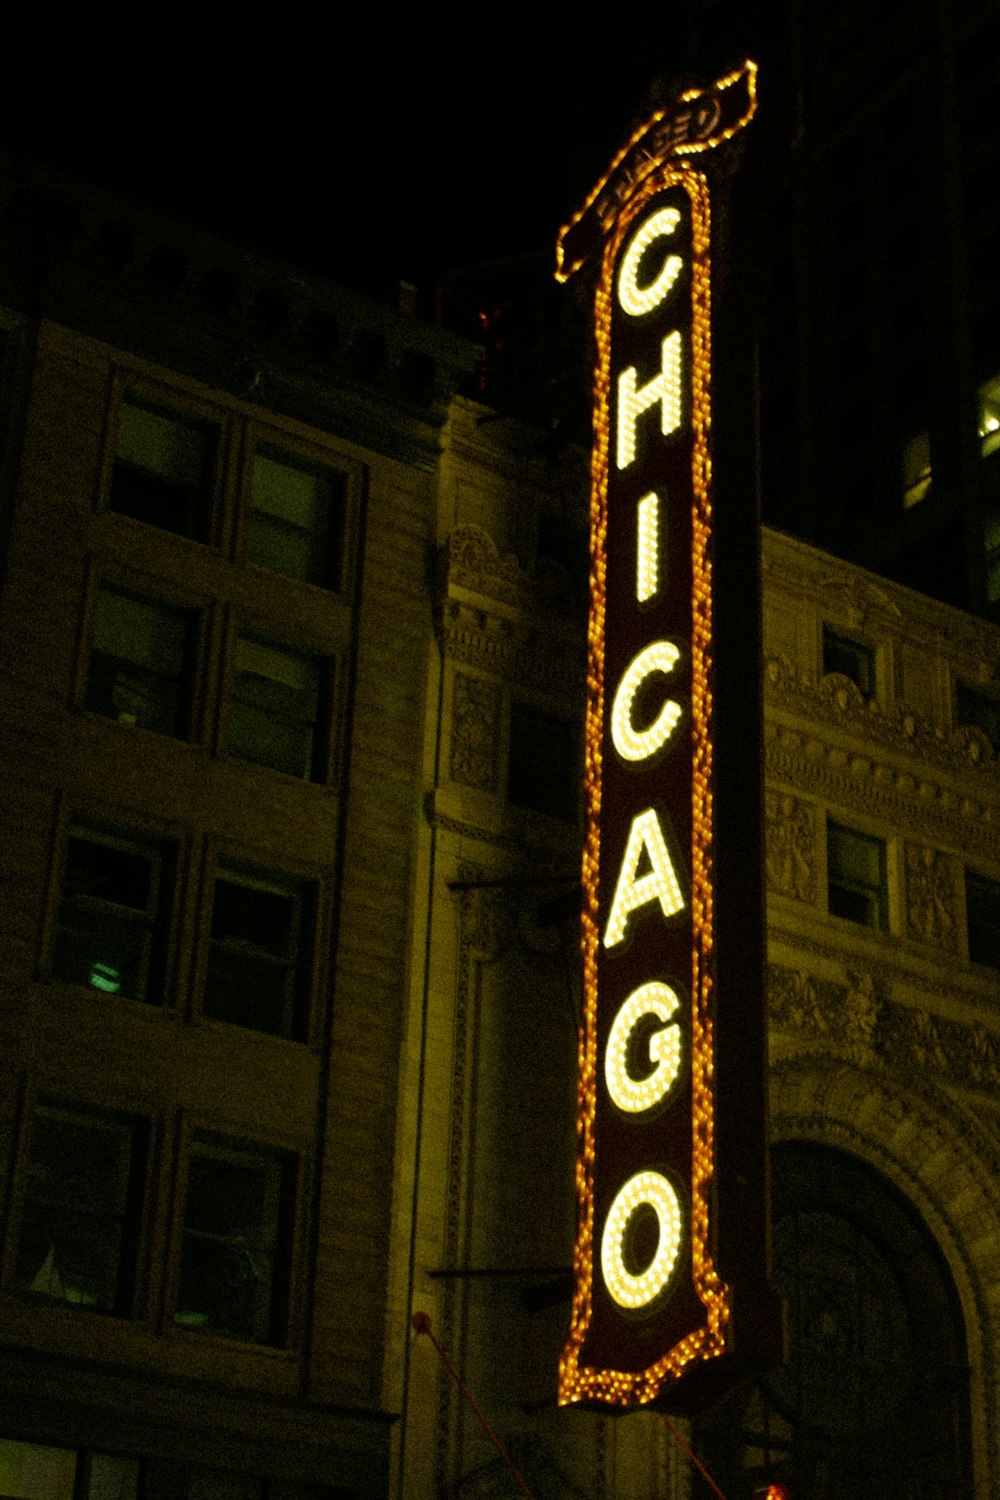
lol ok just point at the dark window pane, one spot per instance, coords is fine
(110, 915)
(982, 898)
(162, 471)
(77, 1232)
(234, 1256)
(140, 661)
(541, 769)
(850, 659)
(856, 877)
(275, 708)
(296, 521)
(980, 710)
(253, 965)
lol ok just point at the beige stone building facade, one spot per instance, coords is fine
(292, 683)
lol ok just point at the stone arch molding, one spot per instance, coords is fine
(942, 1163)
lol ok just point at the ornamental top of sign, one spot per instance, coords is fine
(697, 121)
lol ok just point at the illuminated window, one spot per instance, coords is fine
(274, 715)
(982, 911)
(989, 416)
(850, 659)
(256, 953)
(856, 876)
(78, 1229)
(140, 662)
(980, 710)
(542, 769)
(163, 470)
(236, 1242)
(916, 469)
(112, 913)
(33, 1471)
(295, 523)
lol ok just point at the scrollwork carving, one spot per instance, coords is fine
(791, 846)
(475, 727)
(931, 901)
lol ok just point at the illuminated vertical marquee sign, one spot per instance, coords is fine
(650, 1303)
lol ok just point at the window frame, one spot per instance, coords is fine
(176, 404)
(568, 817)
(306, 889)
(967, 690)
(985, 883)
(832, 640)
(191, 680)
(859, 888)
(334, 574)
(130, 1273)
(326, 724)
(218, 1140)
(161, 911)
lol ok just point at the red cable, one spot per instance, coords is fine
(422, 1324)
(692, 1455)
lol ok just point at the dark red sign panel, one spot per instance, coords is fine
(650, 1303)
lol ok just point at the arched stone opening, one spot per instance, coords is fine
(886, 1228)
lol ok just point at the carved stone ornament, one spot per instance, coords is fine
(471, 561)
(857, 1021)
(931, 899)
(475, 726)
(791, 846)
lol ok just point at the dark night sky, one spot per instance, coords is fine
(366, 146)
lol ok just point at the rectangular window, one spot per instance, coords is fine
(982, 911)
(163, 470)
(111, 927)
(274, 715)
(79, 1224)
(850, 659)
(989, 415)
(140, 662)
(978, 709)
(296, 519)
(856, 876)
(256, 961)
(541, 766)
(236, 1244)
(31, 1471)
(916, 469)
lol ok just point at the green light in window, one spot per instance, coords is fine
(105, 977)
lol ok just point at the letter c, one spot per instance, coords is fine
(639, 744)
(636, 300)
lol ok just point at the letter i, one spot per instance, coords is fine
(647, 559)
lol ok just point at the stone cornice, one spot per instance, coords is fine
(874, 605)
(230, 316)
(899, 768)
(499, 618)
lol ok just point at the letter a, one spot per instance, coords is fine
(634, 890)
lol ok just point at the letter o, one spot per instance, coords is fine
(635, 1095)
(636, 300)
(639, 744)
(634, 1292)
